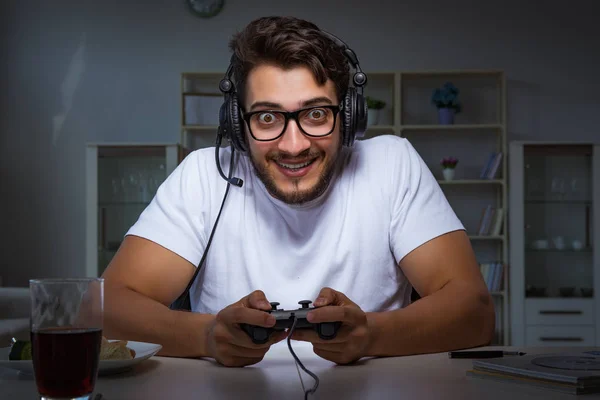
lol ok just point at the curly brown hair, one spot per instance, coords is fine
(288, 42)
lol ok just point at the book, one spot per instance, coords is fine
(572, 372)
(541, 383)
(490, 169)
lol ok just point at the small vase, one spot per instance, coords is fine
(446, 116)
(373, 117)
(448, 174)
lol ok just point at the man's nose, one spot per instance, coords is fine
(293, 141)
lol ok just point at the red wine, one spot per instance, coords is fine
(65, 361)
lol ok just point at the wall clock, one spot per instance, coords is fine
(205, 8)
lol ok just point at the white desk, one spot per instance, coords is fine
(422, 377)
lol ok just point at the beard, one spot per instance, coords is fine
(298, 196)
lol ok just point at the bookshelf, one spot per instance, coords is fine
(200, 104)
(478, 131)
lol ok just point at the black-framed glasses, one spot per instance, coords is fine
(316, 121)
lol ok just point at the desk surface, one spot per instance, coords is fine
(430, 376)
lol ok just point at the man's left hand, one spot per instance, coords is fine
(353, 336)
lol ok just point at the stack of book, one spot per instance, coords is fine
(490, 170)
(574, 372)
(493, 274)
(490, 223)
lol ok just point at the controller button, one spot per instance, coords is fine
(274, 305)
(260, 335)
(304, 303)
(327, 330)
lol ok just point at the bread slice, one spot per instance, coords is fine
(117, 350)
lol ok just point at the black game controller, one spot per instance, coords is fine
(284, 320)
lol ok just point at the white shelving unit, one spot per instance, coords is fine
(554, 225)
(477, 131)
(121, 180)
(200, 103)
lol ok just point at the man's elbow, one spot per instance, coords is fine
(483, 318)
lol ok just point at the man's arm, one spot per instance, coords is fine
(142, 280)
(455, 311)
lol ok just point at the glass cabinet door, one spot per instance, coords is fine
(122, 181)
(558, 221)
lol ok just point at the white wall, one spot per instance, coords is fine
(126, 57)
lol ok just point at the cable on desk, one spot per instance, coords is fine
(298, 362)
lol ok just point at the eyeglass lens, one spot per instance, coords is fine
(314, 121)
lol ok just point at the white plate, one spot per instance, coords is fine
(143, 351)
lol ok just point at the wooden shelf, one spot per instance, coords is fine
(203, 75)
(482, 237)
(461, 72)
(206, 94)
(472, 182)
(541, 202)
(455, 127)
(555, 250)
(212, 128)
(380, 128)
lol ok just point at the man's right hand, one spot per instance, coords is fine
(227, 343)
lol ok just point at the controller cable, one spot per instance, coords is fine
(298, 362)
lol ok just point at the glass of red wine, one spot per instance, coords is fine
(66, 334)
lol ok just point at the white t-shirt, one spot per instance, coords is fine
(383, 203)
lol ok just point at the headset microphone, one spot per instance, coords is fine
(233, 180)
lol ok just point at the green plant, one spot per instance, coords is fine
(374, 104)
(446, 97)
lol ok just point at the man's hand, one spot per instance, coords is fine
(227, 343)
(352, 338)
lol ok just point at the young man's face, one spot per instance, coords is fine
(295, 168)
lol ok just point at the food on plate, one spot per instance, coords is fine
(117, 350)
(20, 350)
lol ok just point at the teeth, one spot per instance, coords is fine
(295, 166)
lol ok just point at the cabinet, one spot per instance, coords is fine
(121, 180)
(554, 242)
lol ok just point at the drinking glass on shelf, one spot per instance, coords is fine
(116, 189)
(534, 188)
(577, 189)
(66, 335)
(558, 187)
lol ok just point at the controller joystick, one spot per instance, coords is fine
(284, 319)
(304, 303)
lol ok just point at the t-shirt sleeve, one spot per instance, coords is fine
(174, 218)
(420, 210)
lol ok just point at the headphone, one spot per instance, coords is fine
(353, 112)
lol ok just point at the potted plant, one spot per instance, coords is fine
(446, 100)
(374, 107)
(448, 167)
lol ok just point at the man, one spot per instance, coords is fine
(351, 227)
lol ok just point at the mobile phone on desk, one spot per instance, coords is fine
(483, 353)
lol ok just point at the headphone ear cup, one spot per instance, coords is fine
(361, 116)
(236, 129)
(224, 120)
(348, 118)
